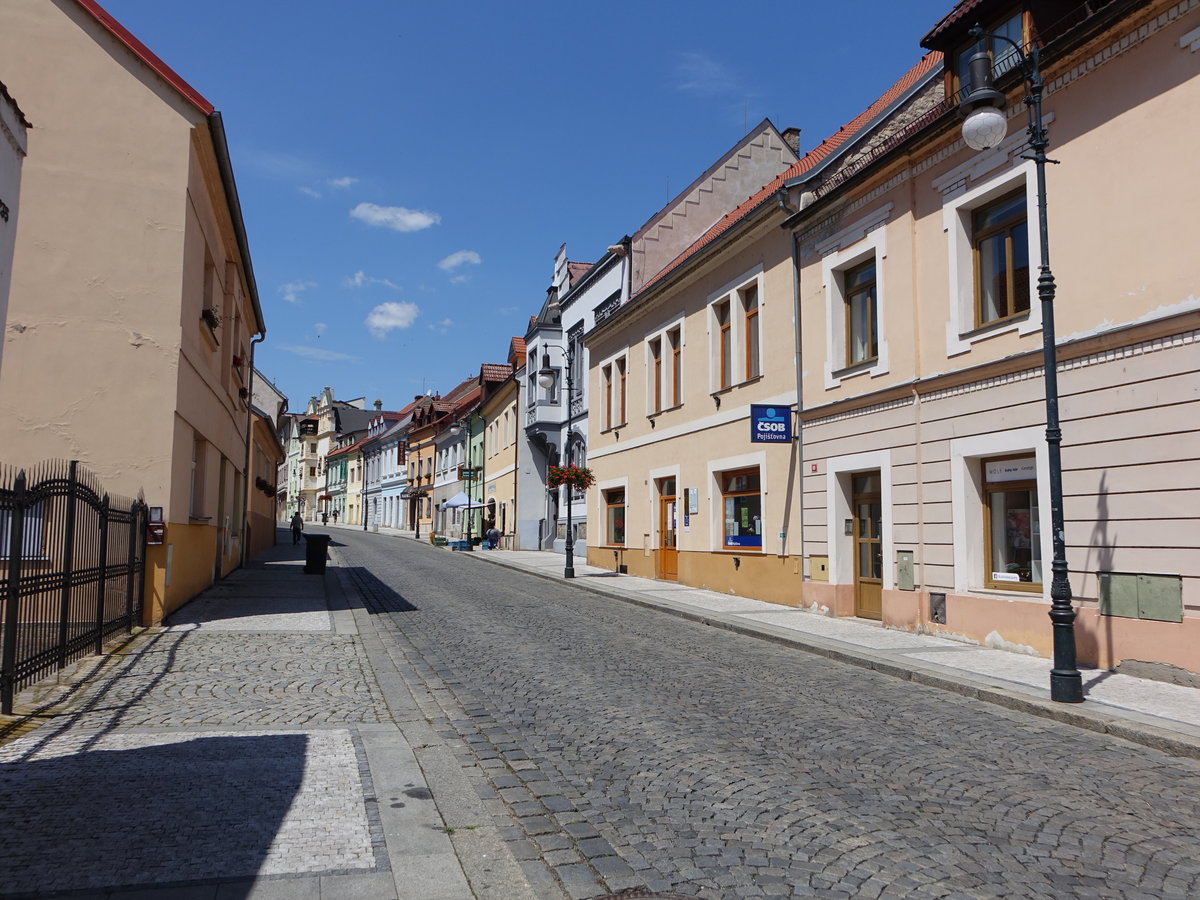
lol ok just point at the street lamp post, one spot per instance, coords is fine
(469, 473)
(983, 129)
(546, 377)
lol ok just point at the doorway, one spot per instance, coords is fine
(668, 549)
(867, 504)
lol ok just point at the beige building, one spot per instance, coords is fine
(133, 303)
(917, 492)
(14, 147)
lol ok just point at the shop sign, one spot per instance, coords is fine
(770, 424)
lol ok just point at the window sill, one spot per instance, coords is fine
(616, 427)
(996, 327)
(859, 368)
(1032, 592)
(666, 409)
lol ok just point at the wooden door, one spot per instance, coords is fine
(868, 546)
(668, 552)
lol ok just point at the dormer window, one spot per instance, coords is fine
(1004, 55)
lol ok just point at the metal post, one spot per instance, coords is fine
(135, 523)
(1066, 684)
(569, 567)
(68, 564)
(102, 586)
(12, 606)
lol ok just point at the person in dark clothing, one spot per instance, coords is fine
(297, 528)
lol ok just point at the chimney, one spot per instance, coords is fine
(378, 405)
(791, 137)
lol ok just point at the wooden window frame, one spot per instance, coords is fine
(1004, 227)
(621, 367)
(848, 294)
(609, 505)
(606, 374)
(750, 322)
(1000, 487)
(675, 342)
(726, 493)
(724, 323)
(656, 374)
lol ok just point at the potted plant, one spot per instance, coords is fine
(210, 317)
(578, 477)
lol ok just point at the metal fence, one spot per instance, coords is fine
(72, 570)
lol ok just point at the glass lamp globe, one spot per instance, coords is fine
(984, 128)
(546, 379)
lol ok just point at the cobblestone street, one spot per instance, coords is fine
(625, 748)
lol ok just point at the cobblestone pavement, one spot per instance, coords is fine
(224, 756)
(634, 749)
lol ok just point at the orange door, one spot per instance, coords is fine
(868, 546)
(668, 553)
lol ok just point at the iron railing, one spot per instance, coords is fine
(72, 570)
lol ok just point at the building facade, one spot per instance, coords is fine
(105, 312)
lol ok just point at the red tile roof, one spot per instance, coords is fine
(955, 15)
(808, 162)
(495, 371)
(142, 52)
(576, 270)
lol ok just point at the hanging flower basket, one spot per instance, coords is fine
(577, 477)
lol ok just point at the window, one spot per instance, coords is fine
(196, 500)
(1011, 530)
(742, 501)
(656, 375)
(750, 323)
(1004, 55)
(612, 377)
(312, 471)
(675, 342)
(862, 342)
(724, 346)
(1000, 238)
(614, 517)
(312, 449)
(621, 389)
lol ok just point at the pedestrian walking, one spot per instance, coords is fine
(297, 528)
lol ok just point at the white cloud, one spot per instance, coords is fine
(344, 182)
(395, 217)
(388, 316)
(459, 258)
(362, 279)
(309, 192)
(293, 289)
(443, 326)
(316, 353)
(319, 328)
(696, 73)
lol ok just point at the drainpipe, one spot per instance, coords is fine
(798, 334)
(249, 440)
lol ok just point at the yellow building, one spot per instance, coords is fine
(133, 307)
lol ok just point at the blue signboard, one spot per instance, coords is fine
(770, 424)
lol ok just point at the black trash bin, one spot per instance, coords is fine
(316, 552)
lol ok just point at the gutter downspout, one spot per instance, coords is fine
(249, 440)
(798, 334)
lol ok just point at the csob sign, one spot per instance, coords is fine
(770, 424)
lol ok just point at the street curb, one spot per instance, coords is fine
(931, 675)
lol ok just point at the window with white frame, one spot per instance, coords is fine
(735, 334)
(612, 387)
(999, 504)
(664, 369)
(991, 248)
(853, 275)
(741, 501)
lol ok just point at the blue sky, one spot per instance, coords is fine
(407, 171)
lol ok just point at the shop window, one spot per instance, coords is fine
(741, 498)
(1012, 533)
(614, 517)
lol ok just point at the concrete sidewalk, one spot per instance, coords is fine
(1153, 713)
(248, 748)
